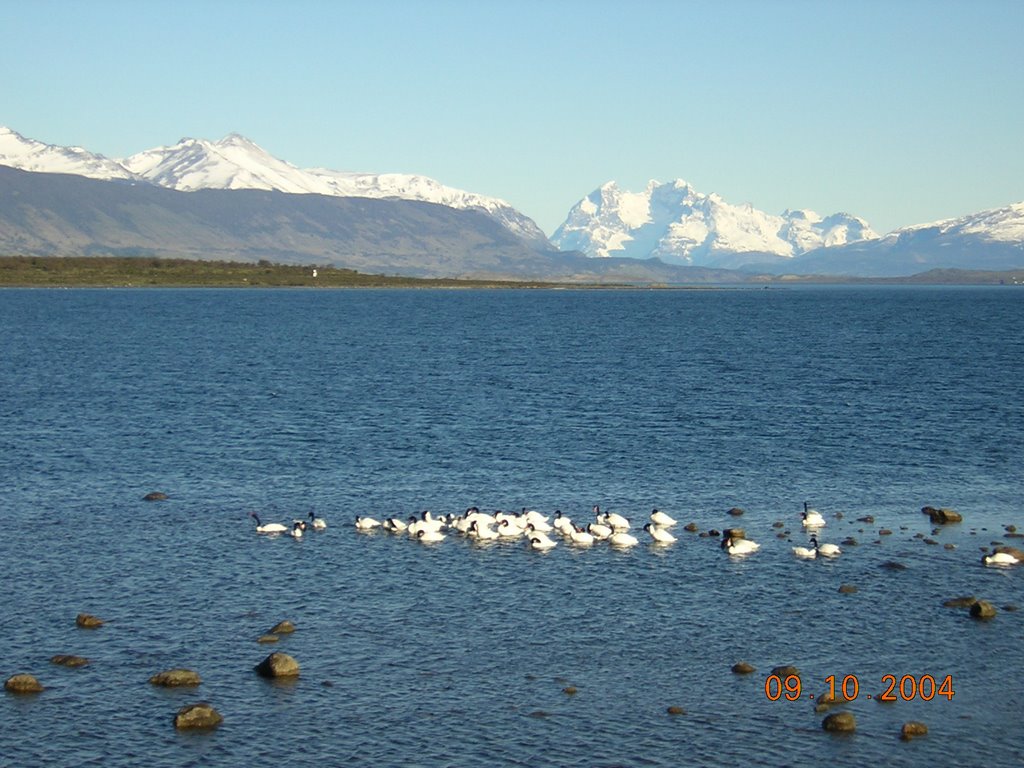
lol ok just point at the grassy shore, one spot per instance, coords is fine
(111, 271)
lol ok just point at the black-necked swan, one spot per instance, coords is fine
(659, 518)
(298, 529)
(623, 539)
(429, 535)
(365, 523)
(269, 527)
(660, 535)
(317, 523)
(739, 546)
(580, 537)
(1000, 558)
(812, 518)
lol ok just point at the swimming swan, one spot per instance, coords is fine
(269, 527)
(812, 518)
(1000, 558)
(661, 519)
(739, 546)
(660, 535)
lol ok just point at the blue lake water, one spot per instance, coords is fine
(862, 401)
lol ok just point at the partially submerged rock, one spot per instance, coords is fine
(742, 668)
(88, 621)
(282, 628)
(966, 601)
(174, 678)
(912, 729)
(22, 684)
(983, 610)
(65, 660)
(840, 722)
(278, 664)
(942, 516)
(200, 715)
(155, 496)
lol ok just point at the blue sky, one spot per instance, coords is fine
(899, 111)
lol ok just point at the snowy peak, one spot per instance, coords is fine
(997, 225)
(17, 151)
(680, 225)
(235, 162)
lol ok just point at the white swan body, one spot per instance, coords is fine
(623, 539)
(541, 541)
(508, 529)
(616, 522)
(812, 518)
(394, 524)
(562, 524)
(829, 550)
(660, 519)
(599, 531)
(580, 537)
(1000, 558)
(297, 529)
(268, 527)
(366, 523)
(428, 536)
(806, 553)
(660, 535)
(739, 546)
(481, 531)
(317, 523)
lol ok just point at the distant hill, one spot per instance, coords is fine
(50, 214)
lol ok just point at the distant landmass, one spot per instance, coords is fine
(231, 200)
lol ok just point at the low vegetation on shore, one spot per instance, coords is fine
(113, 271)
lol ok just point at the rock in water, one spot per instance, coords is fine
(912, 729)
(22, 684)
(282, 628)
(87, 621)
(742, 668)
(200, 715)
(983, 610)
(840, 722)
(69, 661)
(174, 678)
(155, 496)
(942, 516)
(278, 665)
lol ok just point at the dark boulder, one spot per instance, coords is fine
(278, 665)
(912, 729)
(88, 621)
(174, 678)
(983, 610)
(22, 684)
(840, 722)
(69, 661)
(942, 516)
(200, 715)
(155, 496)
(282, 628)
(742, 668)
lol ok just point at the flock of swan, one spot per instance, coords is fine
(543, 533)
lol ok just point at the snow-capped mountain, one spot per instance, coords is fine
(680, 225)
(17, 151)
(996, 225)
(235, 162)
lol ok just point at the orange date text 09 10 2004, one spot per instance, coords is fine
(894, 688)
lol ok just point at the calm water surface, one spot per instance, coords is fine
(861, 401)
